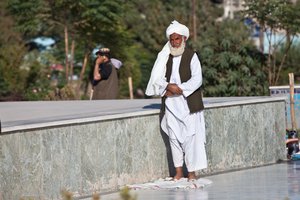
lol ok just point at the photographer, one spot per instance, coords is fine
(103, 66)
(105, 79)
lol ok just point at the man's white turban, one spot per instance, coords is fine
(176, 27)
(159, 68)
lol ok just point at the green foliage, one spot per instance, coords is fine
(24, 76)
(131, 68)
(38, 78)
(290, 18)
(230, 62)
(12, 77)
(151, 24)
(291, 64)
(58, 94)
(275, 16)
(134, 30)
(147, 22)
(29, 15)
(89, 23)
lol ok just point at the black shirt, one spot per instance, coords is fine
(104, 70)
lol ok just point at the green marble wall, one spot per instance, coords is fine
(245, 136)
(104, 155)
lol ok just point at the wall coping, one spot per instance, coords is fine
(140, 110)
(235, 101)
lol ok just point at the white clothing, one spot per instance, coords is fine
(158, 71)
(159, 68)
(186, 131)
(116, 63)
(194, 161)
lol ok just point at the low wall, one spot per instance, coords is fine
(245, 135)
(102, 155)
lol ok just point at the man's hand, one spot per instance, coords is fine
(168, 94)
(174, 89)
(97, 75)
(99, 60)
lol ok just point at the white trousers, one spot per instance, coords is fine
(192, 151)
(186, 134)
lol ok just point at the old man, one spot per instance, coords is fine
(176, 77)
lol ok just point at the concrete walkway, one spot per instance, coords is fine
(272, 182)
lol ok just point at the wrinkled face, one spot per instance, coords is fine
(175, 40)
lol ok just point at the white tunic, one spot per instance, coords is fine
(177, 122)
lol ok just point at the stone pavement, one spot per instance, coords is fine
(273, 182)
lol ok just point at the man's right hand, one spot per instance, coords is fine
(97, 75)
(174, 89)
(99, 60)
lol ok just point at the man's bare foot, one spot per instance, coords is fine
(179, 173)
(191, 176)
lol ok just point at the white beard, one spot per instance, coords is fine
(177, 51)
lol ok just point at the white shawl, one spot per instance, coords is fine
(158, 71)
(159, 68)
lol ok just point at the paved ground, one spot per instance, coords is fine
(272, 182)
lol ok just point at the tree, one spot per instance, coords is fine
(291, 64)
(148, 20)
(87, 23)
(230, 62)
(12, 50)
(134, 30)
(275, 16)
